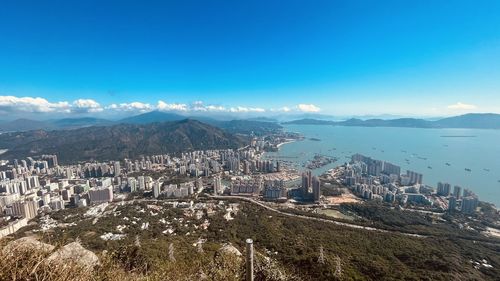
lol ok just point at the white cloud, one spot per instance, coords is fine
(198, 106)
(86, 105)
(246, 109)
(308, 108)
(215, 108)
(163, 106)
(19, 105)
(461, 106)
(133, 106)
(30, 104)
(281, 109)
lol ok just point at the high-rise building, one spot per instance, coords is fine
(116, 168)
(69, 173)
(156, 189)
(51, 160)
(306, 183)
(375, 167)
(467, 192)
(247, 187)
(391, 169)
(101, 195)
(217, 185)
(414, 177)
(142, 182)
(33, 182)
(443, 189)
(27, 209)
(457, 191)
(316, 187)
(469, 204)
(199, 184)
(57, 204)
(132, 184)
(66, 194)
(452, 204)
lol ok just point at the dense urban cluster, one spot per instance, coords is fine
(39, 184)
(374, 179)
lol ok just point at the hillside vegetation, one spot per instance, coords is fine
(118, 141)
(288, 247)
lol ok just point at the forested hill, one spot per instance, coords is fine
(118, 141)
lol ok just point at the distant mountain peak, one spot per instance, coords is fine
(152, 116)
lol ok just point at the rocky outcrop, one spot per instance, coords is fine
(229, 249)
(71, 253)
(74, 252)
(27, 244)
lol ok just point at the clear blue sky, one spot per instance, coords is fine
(341, 57)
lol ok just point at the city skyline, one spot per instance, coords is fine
(422, 59)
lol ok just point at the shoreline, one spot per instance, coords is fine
(485, 184)
(286, 142)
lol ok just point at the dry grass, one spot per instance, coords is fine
(31, 263)
(25, 263)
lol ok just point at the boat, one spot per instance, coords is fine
(487, 170)
(429, 167)
(468, 170)
(448, 164)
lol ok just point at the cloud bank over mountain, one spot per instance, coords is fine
(17, 106)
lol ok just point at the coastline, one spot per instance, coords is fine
(286, 142)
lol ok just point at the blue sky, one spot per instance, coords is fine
(415, 58)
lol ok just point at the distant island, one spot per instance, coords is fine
(467, 121)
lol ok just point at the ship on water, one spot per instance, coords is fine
(468, 170)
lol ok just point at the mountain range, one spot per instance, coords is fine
(240, 126)
(467, 121)
(118, 141)
(258, 125)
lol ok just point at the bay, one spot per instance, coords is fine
(427, 152)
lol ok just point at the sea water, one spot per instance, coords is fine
(425, 151)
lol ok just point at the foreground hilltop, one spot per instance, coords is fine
(118, 141)
(146, 239)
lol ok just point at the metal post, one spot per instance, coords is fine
(249, 261)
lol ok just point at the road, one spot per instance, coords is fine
(251, 200)
(345, 224)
